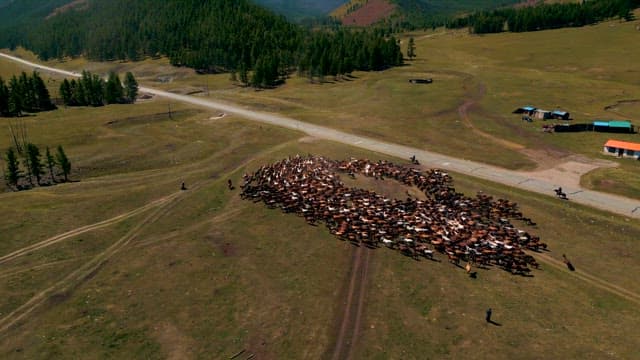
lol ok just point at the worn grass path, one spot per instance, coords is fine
(85, 271)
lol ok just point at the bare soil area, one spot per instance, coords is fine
(372, 12)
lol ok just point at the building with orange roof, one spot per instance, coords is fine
(622, 149)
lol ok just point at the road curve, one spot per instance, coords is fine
(608, 202)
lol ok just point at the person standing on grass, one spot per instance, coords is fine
(488, 317)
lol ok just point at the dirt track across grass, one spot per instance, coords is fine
(591, 279)
(350, 320)
(85, 272)
(81, 230)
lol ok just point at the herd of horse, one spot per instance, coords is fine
(477, 230)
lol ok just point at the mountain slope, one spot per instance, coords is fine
(234, 36)
(16, 13)
(368, 12)
(365, 12)
(13, 12)
(301, 8)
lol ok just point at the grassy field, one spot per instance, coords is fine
(203, 274)
(478, 82)
(466, 112)
(208, 275)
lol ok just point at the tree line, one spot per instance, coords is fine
(25, 163)
(92, 90)
(235, 36)
(24, 94)
(546, 16)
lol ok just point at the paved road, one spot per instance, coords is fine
(612, 203)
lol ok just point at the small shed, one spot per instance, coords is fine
(624, 125)
(622, 149)
(560, 115)
(542, 114)
(613, 126)
(525, 110)
(421, 81)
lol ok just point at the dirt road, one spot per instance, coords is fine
(523, 180)
(350, 321)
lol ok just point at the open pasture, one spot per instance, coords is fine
(201, 273)
(141, 269)
(478, 81)
(467, 111)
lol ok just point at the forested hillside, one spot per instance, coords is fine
(17, 13)
(412, 14)
(296, 9)
(213, 36)
(547, 16)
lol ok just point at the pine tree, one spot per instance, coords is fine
(411, 49)
(43, 99)
(35, 162)
(244, 76)
(29, 101)
(4, 98)
(66, 92)
(79, 93)
(63, 161)
(13, 174)
(113, 92)
(130, 87)
(258, 76)
(51, 162)
(97, 90)
(27, 163)
(15, 97)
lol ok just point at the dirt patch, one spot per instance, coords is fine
(174, 343)
(349, 317)
(607, 184)
(222, 246)
(388, 188)
(569, 172)
(228, 249)
(626, 108)
(307, 139)
(58, 298)
(463, 111)
(545, 158)
(151, 118)
(257, 348)
(370, 13)
(74, 5)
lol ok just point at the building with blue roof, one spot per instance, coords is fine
(525, 110)
(613, 126)
(560, 115)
